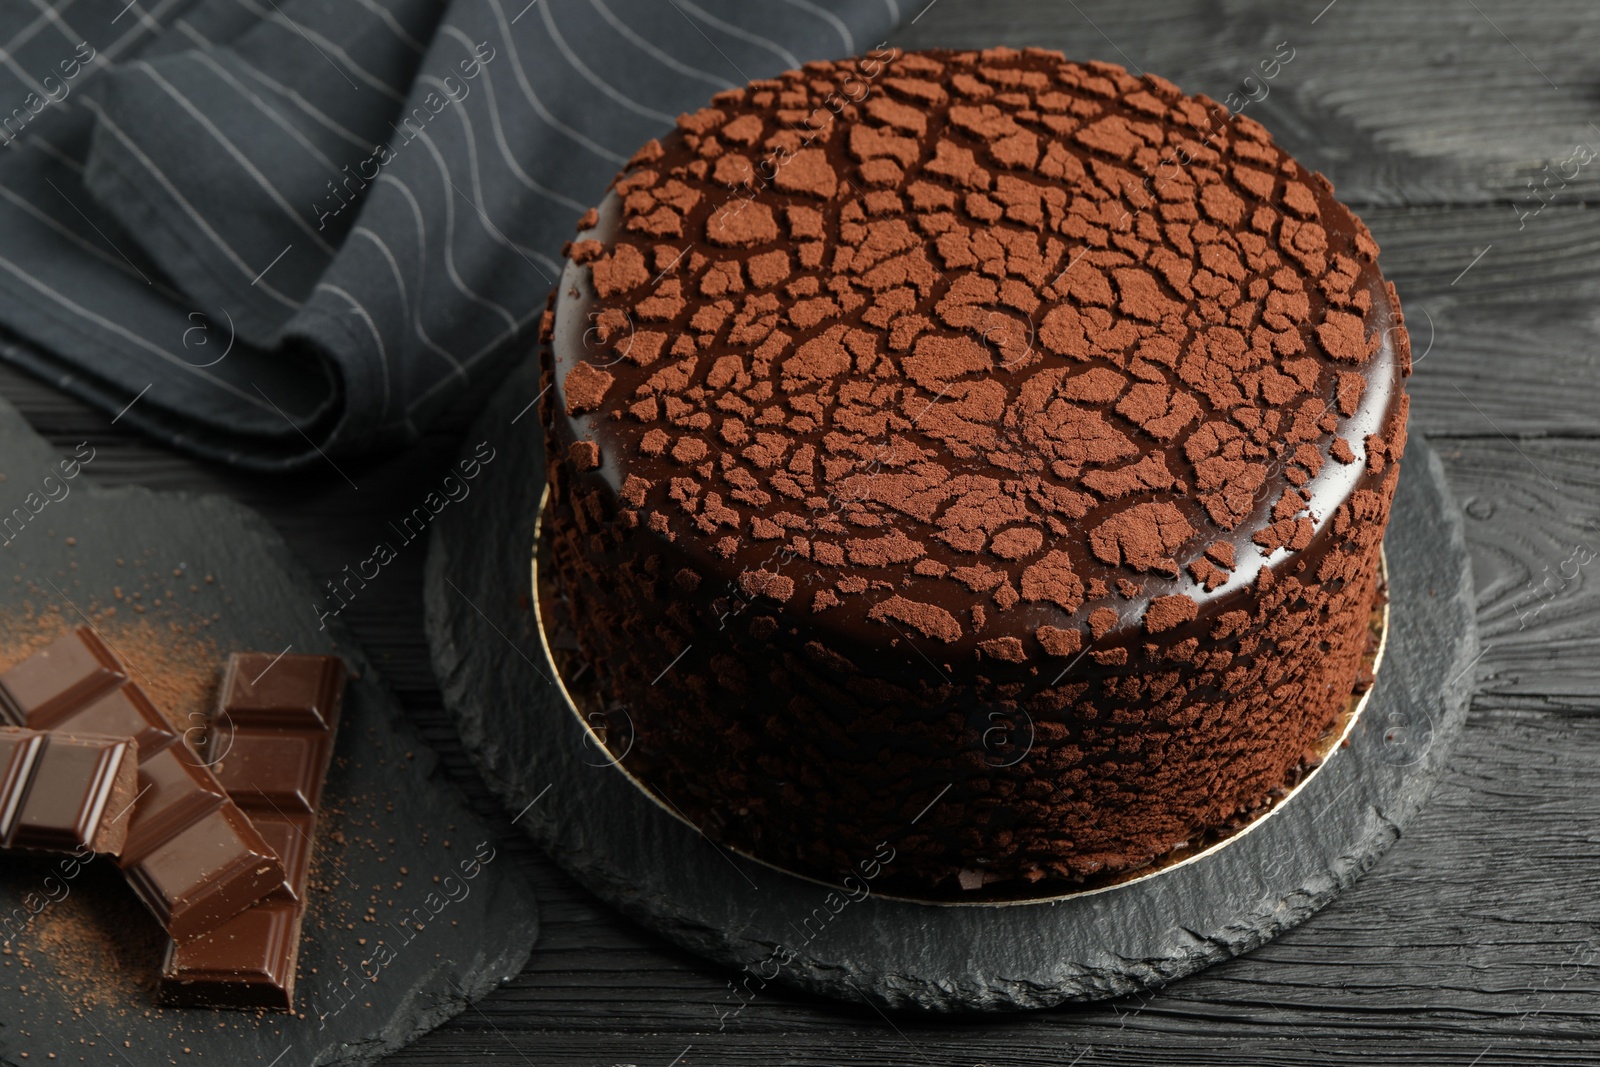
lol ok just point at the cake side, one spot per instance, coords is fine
(974, 454)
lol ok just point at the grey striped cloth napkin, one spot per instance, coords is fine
(265, 230)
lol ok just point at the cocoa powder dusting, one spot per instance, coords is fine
(175, 663)
(104, 949)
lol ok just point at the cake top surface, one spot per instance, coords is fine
(987, 351)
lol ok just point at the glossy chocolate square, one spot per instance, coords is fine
(174, 791)
(208, 872)
(276, 770)
(123, 712)
(247, 962)
(73, 782)
(67, 672)
(301, 692)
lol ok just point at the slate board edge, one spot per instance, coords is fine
(485, 971)
(426, 1013)
(472, 663)
(514, 954)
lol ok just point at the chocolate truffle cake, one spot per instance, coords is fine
(980, 454)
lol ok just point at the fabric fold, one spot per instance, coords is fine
(271, 231)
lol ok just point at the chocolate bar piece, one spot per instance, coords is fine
(190, 853)
(274, 731)
(64, 792)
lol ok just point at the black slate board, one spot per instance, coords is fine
(77, 978)
(628, 849)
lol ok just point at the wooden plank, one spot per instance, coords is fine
(1502, 320)
(1533, 523)
(1431, 101)
(1221, 1046)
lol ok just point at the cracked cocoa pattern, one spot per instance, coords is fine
(1021, 388)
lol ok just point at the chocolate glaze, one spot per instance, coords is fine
(833, 686)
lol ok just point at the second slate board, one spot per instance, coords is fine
(408, 887)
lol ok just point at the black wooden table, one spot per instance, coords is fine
(1461, 131)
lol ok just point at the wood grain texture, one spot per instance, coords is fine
(1475, 940)
(1421, 101)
